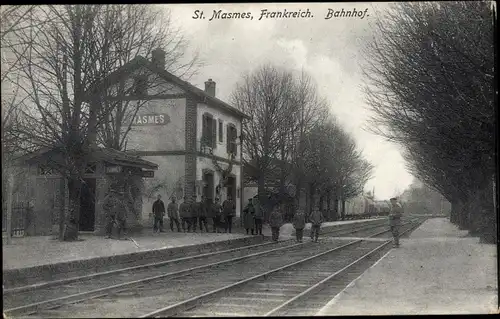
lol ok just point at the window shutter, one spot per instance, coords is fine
(204, 130)
(228, 138)
(214, 133)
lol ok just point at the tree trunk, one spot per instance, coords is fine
(311, 198)
(343, 209)
(336, 208)
(262, 195)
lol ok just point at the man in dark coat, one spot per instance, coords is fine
(158, 212)
(258, 215)
(275, 221)
(229, 211)
(195, 212)
(216, 214)
(248, 217)
(202, 213)
(299, 222)
(173, 214)
(185, 214)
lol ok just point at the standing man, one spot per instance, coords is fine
(248, 217)
(216, 215)
(316, 219)
(299, 222)
(185, 214)
(395, 220)
(258, 215)
(173, 214)
(229, 210)
(159, 213)
(275, 221)
(202, 213)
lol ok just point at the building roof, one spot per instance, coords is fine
(140, 61)
(107, 155)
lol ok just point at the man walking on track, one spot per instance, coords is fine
(316, 218)
(159, 213)
(395, 220)
(299, 222)
(275, 222)
(229, 210)
(173, 214)
(185, 214)
(258, 215)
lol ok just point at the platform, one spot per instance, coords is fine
(41, 250)
(437, 270)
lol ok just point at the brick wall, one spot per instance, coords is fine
(190, 136)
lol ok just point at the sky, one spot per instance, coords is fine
(328, 49)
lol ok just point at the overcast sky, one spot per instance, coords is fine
(329, 50)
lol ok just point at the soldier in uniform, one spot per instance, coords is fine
(229, 210)
(159, 213)
(258, 215)
(216, 215)
(248, 217)
(316, 218)
(275, 221)
(395, 220)
(202, 213)
(299, 222)
(185, 214)
(173, 214)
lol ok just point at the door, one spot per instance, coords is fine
(87, 205)
(231, 187)
(208, 188)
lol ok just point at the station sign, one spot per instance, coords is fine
(114, 169)
(148, 174)
(152, 119)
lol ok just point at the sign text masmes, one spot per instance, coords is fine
(151, 119)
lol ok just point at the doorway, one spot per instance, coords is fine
(231, 187)
(208, 185)
(87, 205)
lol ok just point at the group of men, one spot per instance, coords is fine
(190, 215)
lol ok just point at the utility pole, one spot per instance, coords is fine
(10, 182)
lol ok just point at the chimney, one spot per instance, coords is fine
(210, 87)
(158, 58)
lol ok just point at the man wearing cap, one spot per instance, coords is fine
(395, 220)
(159, 213)
(173, 214)
(216, 215)
(185, 214)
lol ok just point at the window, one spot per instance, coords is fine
(221, 133)
(231, 138)
(141, 85)
(209, 131)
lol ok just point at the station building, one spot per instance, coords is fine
(194, 137)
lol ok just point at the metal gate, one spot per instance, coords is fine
(20, 213)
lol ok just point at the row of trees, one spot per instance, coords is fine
(431, 85)
(293, 142)
(53, 58)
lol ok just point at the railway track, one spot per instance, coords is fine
(133, 291)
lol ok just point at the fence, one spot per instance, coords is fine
(20, 213)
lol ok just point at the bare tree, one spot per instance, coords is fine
(265, 95)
